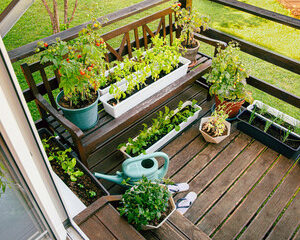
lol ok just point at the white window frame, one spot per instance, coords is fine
(18, 130)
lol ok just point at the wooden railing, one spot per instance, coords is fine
(247, 47)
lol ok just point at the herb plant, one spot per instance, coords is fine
(267, 125)
(164, 123)
(145, 203)
(253, 115)
(80, 63)
(228, 75)
(161, 58)
(190, 22)
(215, 126)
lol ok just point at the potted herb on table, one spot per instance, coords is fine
(228, 79)
(147, 205)
(81, 68)
(215, 128)
(189, 22)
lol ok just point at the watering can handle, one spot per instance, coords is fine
(162, 171)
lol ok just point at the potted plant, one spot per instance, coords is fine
(80, 187)
(165, 126)
(215, 128)
(155, 69)
(283, 120)
(266, 131)
(81, 67)
(189, 22)
(228, 79)
(147, 205)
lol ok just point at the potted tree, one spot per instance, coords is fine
(215, 128)
(81, 67)
(228, 79)
(189, 22)
(147, 205)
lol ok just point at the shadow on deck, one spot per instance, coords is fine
(245, 190)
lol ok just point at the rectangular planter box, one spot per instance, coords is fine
(266, 138)
(145, 93)
(106, 90)
(171, 134)
(288, 119)
(73, 202)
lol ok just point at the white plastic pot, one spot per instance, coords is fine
(211, 139)
(145, 93)
(288, 119)
(171, 134)
(149, 227)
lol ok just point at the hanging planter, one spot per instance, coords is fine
(80, 188)
(266, 112)
(163, 139)
(116, 109)
(273, 136)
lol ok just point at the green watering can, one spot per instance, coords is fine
(137, 167)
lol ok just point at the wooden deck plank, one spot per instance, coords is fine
(219, 212)
(240, 217)
(167, 232)
(117, 225)
(224, 181)
(288, 222)
(187, 227)
(267, 216)
(205, 177)
(95, 230)
(190, 170)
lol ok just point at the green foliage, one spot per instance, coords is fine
(162, 57)
(228, 75)
(3, 180)
(168, 181)
(190, 22)
(144, 203)
(164, 123)
(267, 125)
(286, 135)
(80, 63)
(216, 123)
(252, 115)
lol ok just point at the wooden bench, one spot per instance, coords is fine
(107, 128)
(102, 221)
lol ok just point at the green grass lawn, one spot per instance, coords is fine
(35, 24)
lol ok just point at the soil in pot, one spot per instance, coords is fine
(83, 186)
(273, 131)
(270, 116)
(148, 81)
(157, 137)
(80, 103)
(212, 134)
(232, 108)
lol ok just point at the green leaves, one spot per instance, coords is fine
(228, 75)
(144, 203)
(164, 123)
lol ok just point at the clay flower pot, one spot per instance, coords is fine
(190, 53)
(232, 107)
(209, 138)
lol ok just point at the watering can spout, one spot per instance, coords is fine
(113, 178)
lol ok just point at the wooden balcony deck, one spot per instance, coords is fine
(245, 190)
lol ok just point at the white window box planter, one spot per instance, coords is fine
(171, 134)
(288, 119)
(145, 93)
(106, 90)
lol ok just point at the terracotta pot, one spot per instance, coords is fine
(232, 108)
(209, 138)
(190, 53)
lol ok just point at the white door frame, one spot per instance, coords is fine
(18, 130)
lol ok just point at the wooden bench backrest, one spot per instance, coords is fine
(126, 48)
